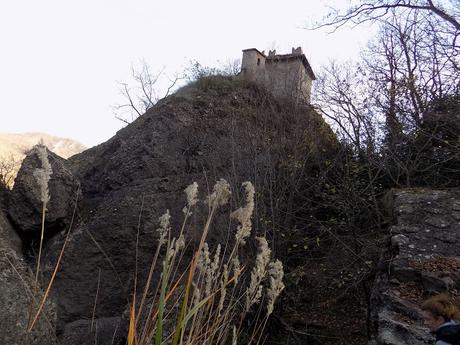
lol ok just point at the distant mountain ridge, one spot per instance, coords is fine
(13, 147)
(16, 143)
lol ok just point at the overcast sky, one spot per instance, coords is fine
(60, 60)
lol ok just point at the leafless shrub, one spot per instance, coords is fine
(8, 170)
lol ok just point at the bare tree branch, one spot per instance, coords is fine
(371, 11)
(143, 95)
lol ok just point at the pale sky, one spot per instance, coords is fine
(60, 60)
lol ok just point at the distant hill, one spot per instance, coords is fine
(14, 145)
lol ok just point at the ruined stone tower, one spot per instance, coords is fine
(288, 75)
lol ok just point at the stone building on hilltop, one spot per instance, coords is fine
(288, 75)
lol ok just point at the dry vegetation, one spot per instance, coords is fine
(209, 301)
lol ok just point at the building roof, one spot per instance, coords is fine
(286, 57)
(249, 49)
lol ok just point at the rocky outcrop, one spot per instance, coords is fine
(9, 239)
(16, 282)
(25, 204)
(217, 128)
(423, 258)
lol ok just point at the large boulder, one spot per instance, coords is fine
(26, 200)
(422, 258)
(217, 128)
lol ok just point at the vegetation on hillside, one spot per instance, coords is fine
(396, 113)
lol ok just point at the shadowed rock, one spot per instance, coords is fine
(25, 204)
(16, 284)
(104, 331)
(423, 258)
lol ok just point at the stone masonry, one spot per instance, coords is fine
(422, 258)
(286, 76)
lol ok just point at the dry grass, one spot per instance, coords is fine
(207, 303)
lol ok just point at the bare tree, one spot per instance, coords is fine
(144, 94)
(147, 87)
(447, 11)
(341, 94)
(411, 67)
(379, 105)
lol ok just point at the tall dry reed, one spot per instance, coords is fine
(207, 303)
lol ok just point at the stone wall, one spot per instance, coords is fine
(253, 65)
(284, 75)
(422, 258)
(288, 78)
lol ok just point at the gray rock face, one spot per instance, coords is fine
(16, 284)
(423, 258)
(104, 331)
(25, 205)
(9, 239)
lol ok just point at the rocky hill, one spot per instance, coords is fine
(215, 128)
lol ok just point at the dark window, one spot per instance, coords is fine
(258, 61)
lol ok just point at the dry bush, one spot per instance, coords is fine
(8, 170)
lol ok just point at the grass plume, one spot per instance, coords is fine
(208, 302)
